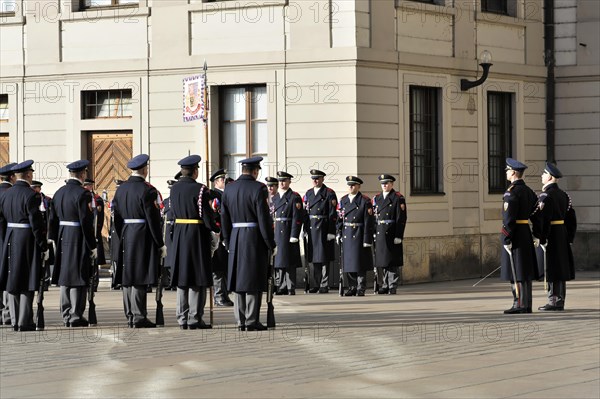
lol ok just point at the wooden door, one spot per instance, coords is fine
(108, 154)
(4, 149)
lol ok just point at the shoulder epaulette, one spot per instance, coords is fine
(366, 197)
(399, 194)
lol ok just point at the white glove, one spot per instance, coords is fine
(50, 242)
(397, 241)
(275, 252)
(45, 255)
(215, 238)
(536, 242)
(338, 239)
(330, 237)
(305, 235)
(163, 251)
(508, 247)
(367, 245)
(94, 253)
(293, 240)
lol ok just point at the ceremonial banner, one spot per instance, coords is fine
(193, 98)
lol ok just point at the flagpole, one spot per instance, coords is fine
(205, 120)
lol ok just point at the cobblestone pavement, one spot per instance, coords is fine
(435, 340)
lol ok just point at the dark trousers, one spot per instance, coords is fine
(357, 280)
(320, 275)
(525, 298)
(557, 293)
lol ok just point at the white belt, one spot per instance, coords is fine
(318, 217)
(283, 219)
(19, 225)
(73, 224)
(386, 221)
(134, 221)
(352, 224)
(245, 224)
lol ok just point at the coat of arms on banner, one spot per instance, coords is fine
(193, 98)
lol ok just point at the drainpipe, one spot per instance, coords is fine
(550, 80)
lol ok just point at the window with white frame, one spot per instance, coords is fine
(243, 120)
(98, 104)
(107, 3)
(4, 107)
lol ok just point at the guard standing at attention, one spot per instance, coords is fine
(219, 257)
(7, 177)
(288, 216)
(137, 225)
(389, 208)
(355, 228)
(320, 203)
(248, 234)
(555, 230)
(25, 246)
(518, 257)
(72, 229)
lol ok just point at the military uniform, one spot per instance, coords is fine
(99, 217)
(72, 229)
(137, 224)
(355, 228)
(194, 222)
(248, 234)
(116, 254)
(167, 226)
(555, 226)
(219, 257)
(288, 214)
(519, 204)
(319, 224)
(390, 218)
(7, 175)
(23, 250)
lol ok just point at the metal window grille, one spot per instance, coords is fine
(499, 139)
(424, 140)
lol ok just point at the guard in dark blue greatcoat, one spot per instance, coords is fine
(137, 224)
(72, 229)
(389, 208)
(116, 254)
(355, 228)
(288, 216)
(45, 208)
(248, 234)
(7, 179)
(25, 246)
(193, 232)
(167, 226)
(219, 257)
(320, 203)
(89, 184)
(554, 228)
(519, 205)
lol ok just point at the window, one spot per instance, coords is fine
(8, 7)
(424, 140)
(106, 104)
(107, 3)
(243, 125)
(499, 139)
(495, 6)
(3, 107)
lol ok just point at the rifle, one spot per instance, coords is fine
(375, 272)
(306, 276)
(270, 291)
(341, 267)
(94, 260)
(40, 323)
(160, 317)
